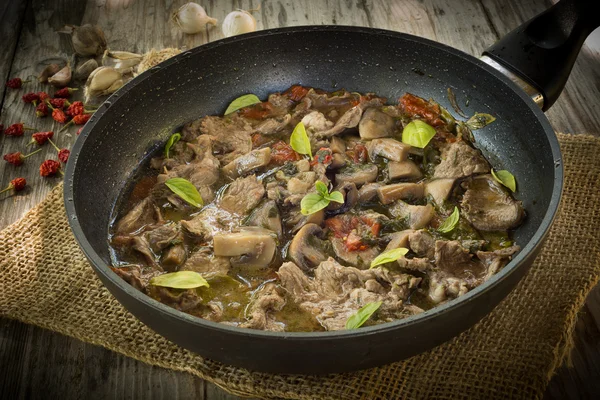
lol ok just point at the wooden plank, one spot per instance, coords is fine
(9, 35)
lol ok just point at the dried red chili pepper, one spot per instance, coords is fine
(63, 155)
(81, 119)
(59, 115)
(75, 108)
(418, 106)
(31, 98)
(43, 96)
(49, 168)
(42, 110)
(17, 158)
(16, 129)
(15, 83)
(296, 92)
(58, 103)
(17, 184)
(79, 130)
(41, 137)
(65, 92)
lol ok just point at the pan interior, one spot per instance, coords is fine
(137, 119)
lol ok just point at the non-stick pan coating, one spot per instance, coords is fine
(204, 80)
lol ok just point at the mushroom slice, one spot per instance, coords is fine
(350, 193)
(389, 193)
(246, 163)
(417, 216)
(404, 169)
(272, 126)
(439, 189)
(368, 192)
(489, 207)
(358, 174)
(252, 246)
(338, 160)
(375, 124)
(297, 220)
(388, 148)
(399, 239)
(266, 215)
(307, 250)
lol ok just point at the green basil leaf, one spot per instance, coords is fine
(186, 190)
(180, 280)
(417, 133)
(313, 202)
(336, 196)
(171, 142)
(479, 120)
(299, 140)
(321, 188)
(388, 256)
(362, 315)
(241, 102)
(505, 178)
(450, 223)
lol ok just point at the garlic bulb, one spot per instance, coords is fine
(85, 69)
(102, 81)
(122, 61)
(153, 58)
(47, 72)
(88, 40)
(192, 18)
(238, 22)
(62, 77)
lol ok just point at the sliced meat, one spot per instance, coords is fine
(417, 217)
(336, 292)
(375, 124)
(210, 221)
(391, 149)
(316, 122)
(248, 162)
(422, 244)
(404, 170)
(141, 215)
(439, 189)
(141, 245)
(231, 136)
(271, 126)
(495, 260)
(406, 191)
(415, 264)
(280, 104)
(359, 174)
(489, 207)
(132, 275)
(266, 301)
(173, 257)
(460, 160)
(242, 195)
(349, 119)
(182, 300)
(207, 264)
(162, 236)
(302, 183)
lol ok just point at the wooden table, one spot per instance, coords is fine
(40, 364)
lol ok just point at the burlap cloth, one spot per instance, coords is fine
(45, 280)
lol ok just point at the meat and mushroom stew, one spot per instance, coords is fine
(316, 211)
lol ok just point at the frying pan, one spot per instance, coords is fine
(134, 123)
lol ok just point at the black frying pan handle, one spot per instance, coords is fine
(543, 50)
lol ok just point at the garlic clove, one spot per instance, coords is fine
(238, 22)
(122, 61)
(192, 18)
(84, 70)
(47, 72)
(62, 77)
(88, 40)
(102, 78)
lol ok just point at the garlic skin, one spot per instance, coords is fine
(192, 18)
(102, 81)
(153, 58)
(238, 22)
(47, 72)
(122, 61)
(62, 77)
(85, 69)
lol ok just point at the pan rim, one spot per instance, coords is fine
(534, 243)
